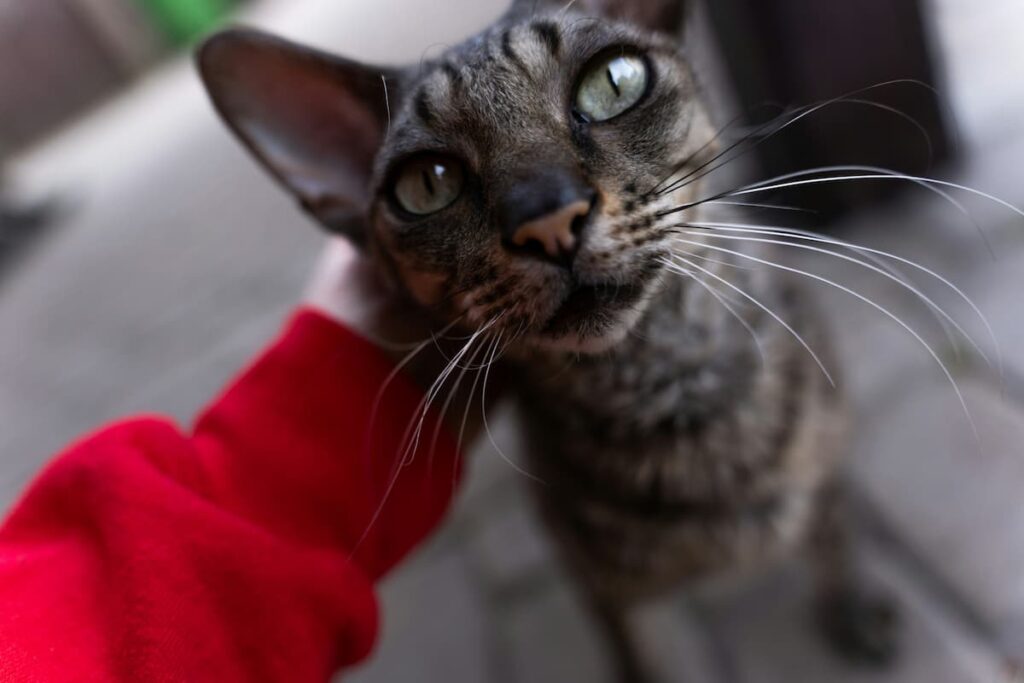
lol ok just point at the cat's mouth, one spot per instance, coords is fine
(592, 309)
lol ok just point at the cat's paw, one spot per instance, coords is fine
(863, 628)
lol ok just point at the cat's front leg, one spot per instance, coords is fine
(625, 645)
(858, 620)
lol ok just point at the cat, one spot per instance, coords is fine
(538, 186)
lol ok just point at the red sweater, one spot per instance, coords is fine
(241, 550)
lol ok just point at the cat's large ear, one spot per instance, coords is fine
(314, 120)
(657, 15)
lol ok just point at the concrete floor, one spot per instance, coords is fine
(181, 259)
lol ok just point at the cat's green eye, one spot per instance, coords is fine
(427, 184)
(612, 86)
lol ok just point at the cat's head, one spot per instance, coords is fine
(506, 182)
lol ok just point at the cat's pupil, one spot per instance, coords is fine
(613, 81)
(622, 70)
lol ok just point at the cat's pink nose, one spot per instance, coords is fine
(555, 232)
(543, 212)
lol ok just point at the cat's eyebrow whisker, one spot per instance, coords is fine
(813, 276)
(756, 131)
(799, 114)
(753, 138)
(775, 316)
(679, 166)
(727, 306)
(864, 264)
(568, 6)
(870, 253)
(387, 104)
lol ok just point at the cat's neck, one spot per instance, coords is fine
(686, 352)
(669, 332)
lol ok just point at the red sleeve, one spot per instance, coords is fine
(244, 551)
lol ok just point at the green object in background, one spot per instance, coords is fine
(183, 21)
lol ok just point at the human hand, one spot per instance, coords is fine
(346, 287)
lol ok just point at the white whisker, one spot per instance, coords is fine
(465, 419)
(725, 304)
(447, 404)
(717, 262)
(867, 173)
(800, 114)
(487, 427)
(448, 401)
(881, 174)
(861, 297)
(903, 115)
(391, 377)
(818, 250)
(409, 443)
(868, 252)
(760, 205)
(756, 302)
(435, 389)
(387, 104)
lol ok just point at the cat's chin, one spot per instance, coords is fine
(589, 343)
(592, 320)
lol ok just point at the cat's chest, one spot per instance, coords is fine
(684, 411)
(662, 431)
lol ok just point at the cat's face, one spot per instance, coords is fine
(507, 182)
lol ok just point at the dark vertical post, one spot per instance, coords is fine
(796, 52)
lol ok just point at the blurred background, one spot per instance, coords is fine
(144, 258)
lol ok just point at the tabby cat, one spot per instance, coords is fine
(536, 186)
